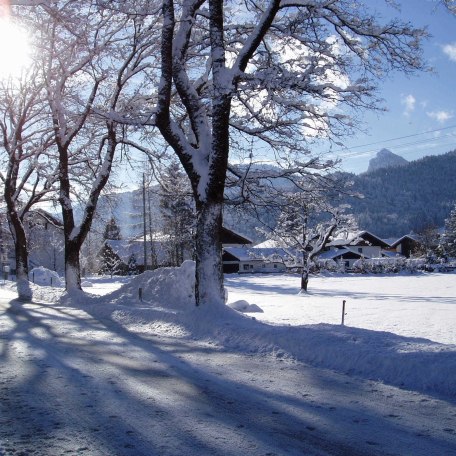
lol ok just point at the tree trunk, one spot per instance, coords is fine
(305, 263)
(304, 280)
(72, 266)
(20, 247)
(209, 272)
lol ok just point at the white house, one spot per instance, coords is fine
(254, 260)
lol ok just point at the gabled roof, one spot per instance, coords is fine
(48, 217)
(340, 251)
(333, 254)
(358, 238)
(230, 237)
(407, 237)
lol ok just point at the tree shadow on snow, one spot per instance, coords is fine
(81, 381)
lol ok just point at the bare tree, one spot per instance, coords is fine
(282, 72)
(307, 222)
(451, 5)
(26, 153)
(94, 57)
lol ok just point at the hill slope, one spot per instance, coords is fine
(408, 197)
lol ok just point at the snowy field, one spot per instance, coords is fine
(104, 373)
(420, 305)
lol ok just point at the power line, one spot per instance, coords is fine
(395, 139)
(399, 146)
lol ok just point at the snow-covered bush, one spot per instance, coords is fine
(45, 277)
(391, 265)
(328, 265)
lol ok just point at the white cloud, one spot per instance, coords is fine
(440, 116)
(409, 102)
(450, 51)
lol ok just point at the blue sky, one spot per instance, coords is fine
(421, 110)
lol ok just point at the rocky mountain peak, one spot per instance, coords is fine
(385, 159)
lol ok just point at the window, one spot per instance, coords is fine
(360, 249)
(246, 267)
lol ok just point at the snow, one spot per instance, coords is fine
(44, 277)
(114, 372)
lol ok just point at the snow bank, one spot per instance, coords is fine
(45, 277)
(243, 306)
(168, 287)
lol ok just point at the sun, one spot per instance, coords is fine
(14, 49)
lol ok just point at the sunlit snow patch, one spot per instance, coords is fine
(244, 306)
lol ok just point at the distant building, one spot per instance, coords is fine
(254, 260)
(120, 252)
(406, 245)
(45, 240)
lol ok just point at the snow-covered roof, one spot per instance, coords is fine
(157, 236)
(332, 254)
(268, 244)
(47, 216)
(254, 253)
(353, 238)
(411, 237)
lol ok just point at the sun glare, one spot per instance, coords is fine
(14, 49)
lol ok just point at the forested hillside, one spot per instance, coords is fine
(406, 198)
(397, 200)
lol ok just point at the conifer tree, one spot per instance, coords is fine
(132, 265)
(177, 212)
(112, 231)
(449, 237)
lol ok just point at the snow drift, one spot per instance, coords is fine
(167, 306)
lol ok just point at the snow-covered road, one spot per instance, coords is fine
(78, 383)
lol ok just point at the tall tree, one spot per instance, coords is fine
(93, 57)
(177, 211)
(26, 154)
(282, 72)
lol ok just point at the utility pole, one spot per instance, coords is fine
(144, 222)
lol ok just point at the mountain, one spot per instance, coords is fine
(401, 199)
(385, 159)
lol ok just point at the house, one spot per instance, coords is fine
(406, 245)
(46, 240)
(342, 256)
(350, 247)
(244, 260)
